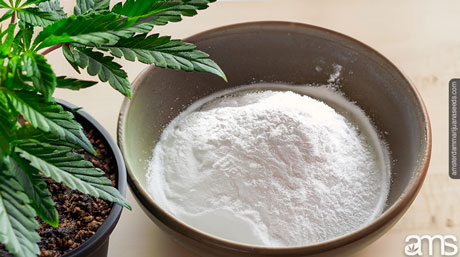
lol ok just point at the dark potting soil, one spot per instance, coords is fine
(80, 215)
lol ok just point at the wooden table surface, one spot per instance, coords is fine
(421, 37)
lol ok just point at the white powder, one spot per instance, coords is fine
(335, 76)
(270, 168)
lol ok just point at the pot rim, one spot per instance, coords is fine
(103, 233)
(398, 208)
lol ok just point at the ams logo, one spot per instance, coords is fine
(447, 245)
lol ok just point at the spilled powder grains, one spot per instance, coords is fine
(268, 168)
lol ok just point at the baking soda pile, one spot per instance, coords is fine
(268, 168)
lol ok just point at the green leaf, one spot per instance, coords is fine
(14, 64)
(174, 13)
(165, 53)
(26, 32)
(106, 28)
(37, 17)
(62, 165)
(93, 30)
(31, 2)
(84, 6)
(74, 84)
(41, 73)
(7, 126)
(103, 66)
(140, 8)
(28, 132)
(186, 8)
(36, 189)
(16, 83)
(7, 15)
(7, 44)
(49, 117)
(18, 225)
(3, 4)
(53, 6)
(66, 50)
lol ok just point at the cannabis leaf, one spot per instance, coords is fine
(7, 44)
(141, 9)
(412, 248)
(37, 17)
(36, 189)
(62, 165)
(166, 53)
(103, 66)
(6, 15)
(71, 57)
(17, 231)
(186, 8)
(32, 2)
(49, 117)
(93, 30)
(52, 6)
(73, 84)
(156, 13)
(3, 4)
(84, 6)
(6, 126)
(41, 73)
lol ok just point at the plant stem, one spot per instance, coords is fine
(13, 18)
(50, 49)
(21, 120)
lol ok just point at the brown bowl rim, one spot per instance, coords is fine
(399, 207)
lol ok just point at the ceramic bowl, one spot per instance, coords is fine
(297, 54)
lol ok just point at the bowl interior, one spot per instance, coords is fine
(281, 52)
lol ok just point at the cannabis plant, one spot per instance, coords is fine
(36, 134)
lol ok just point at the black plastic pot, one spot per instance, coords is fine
(98, 244)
